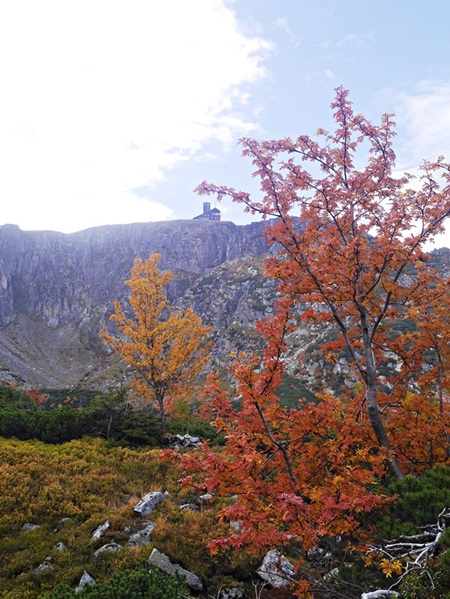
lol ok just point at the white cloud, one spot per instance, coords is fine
(100, 98)
(283, 24)
(360, 40)
(424, 118)
(325, 11)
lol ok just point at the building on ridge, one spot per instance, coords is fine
(208, 214)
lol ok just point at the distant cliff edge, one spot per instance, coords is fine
(57, 290)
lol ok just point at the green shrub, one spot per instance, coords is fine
(137, 429)
(432, 585)
(60, 425)
(196, 428)
(11, 397)
(421, 499)
(129, 584)
(53, 426)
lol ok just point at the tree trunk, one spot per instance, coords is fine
(372, 409)
(378, 427)
(441, 399)
(162, 413)
(108, 428)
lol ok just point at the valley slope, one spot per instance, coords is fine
(57, 290)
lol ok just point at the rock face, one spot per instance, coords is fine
(57, 290)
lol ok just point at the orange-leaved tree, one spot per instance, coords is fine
(359, 230)
(296, 474)
(167, 349)
(418, 394)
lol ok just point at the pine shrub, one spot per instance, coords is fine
(130, 584)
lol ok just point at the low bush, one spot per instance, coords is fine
(420, 501)
(138, 583)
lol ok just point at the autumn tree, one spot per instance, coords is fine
(350, 233)
(419, 387)
(296, 475)
(167, 349)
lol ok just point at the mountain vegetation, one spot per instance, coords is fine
(311, 460)
(167, 349)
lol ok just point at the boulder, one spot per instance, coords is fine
(186, 441)
(206, 498)
(29, 526)
(189, 506)
(45, 566)
(148, 503)
(276, 569)
(163, 562)
(109, 547)
(142, 537)
(84, 580)
(100, 530)
(232, 593)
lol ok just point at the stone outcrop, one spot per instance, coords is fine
(163, 562)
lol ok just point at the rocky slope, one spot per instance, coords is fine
(57, 290)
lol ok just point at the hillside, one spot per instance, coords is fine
(57, 291)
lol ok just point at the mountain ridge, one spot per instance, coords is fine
(57, 292)
(57, 289)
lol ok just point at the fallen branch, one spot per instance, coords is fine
(414, 551)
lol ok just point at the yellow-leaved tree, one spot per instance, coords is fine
(167, 349)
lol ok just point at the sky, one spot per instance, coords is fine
(113, 111)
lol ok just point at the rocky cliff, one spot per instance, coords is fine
(57, 290)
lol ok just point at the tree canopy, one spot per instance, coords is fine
(349, 241)
(352, 235)
(167, 349)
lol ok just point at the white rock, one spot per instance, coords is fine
(232, 593)
(142, 536)
(84, 580)
(162, 561)
(205, 498)
(148, 503)
(109, 547)
(276, 569)
(100, 530)
(28, 526)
